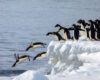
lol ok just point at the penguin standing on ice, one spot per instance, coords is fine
(76, 31)
(40, 55)
(56, 35)
(35, 45)
(87, 30)
(83, 26)
(21, 59)
(92, 30)
(65, 32)
(97, 26)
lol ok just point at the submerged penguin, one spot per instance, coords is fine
(40, 55)
(20, 59)
(65, 32)
(35, 45)
(56, 35)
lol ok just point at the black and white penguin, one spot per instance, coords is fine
(76, 31)
(56, 35)
(87, 30)
(92, 30)
(64, 31)
(97, 26)
(35, 45)
(20, 59)
(83, 26)
(82, 23)
(40, 55)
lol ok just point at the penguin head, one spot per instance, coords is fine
(48, 33)
(74, 25)
(57, 25)
(80, 21)
(97, 21)
(87, 24)
(90, 21)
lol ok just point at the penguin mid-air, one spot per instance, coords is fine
(56, 35)
(35, 45)
(20, 59)
(76, 31)
(65, 32)
(40, 55)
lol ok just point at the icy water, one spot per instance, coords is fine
(26, 21)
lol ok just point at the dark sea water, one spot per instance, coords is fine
(26, 21)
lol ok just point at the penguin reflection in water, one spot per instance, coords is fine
(40, 55)
(56, 35)
(20, 59)
(35, 45)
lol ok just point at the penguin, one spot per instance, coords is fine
(87, 30)
(83, 26)
(76, 31)
(92, 30)
(65, 32)
(40, 55)
(56, 35)
(97, 26)
(20, 59)
(82, 23)
(35, 45)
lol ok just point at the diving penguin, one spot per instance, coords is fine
(56, 35)
(40, 55)
(35, 45)
(20, 59)
(65, 32)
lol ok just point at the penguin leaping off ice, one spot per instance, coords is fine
(20, 59)
(35, 45)
(40, 55)
(64, 31)
(56, 35)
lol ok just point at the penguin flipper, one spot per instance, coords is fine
(81, 30)
(71, 28)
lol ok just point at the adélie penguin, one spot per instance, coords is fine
(56, 35)
(20, 59)
(65, 32)
(92, 30)
(35, 45)
(76, 31)
(40, 55)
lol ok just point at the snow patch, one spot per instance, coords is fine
(31, 75)
(70, 55)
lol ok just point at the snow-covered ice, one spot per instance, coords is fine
(70, 60)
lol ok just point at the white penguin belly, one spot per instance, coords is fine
(36, 46)
(21, 60)
(42, 56)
